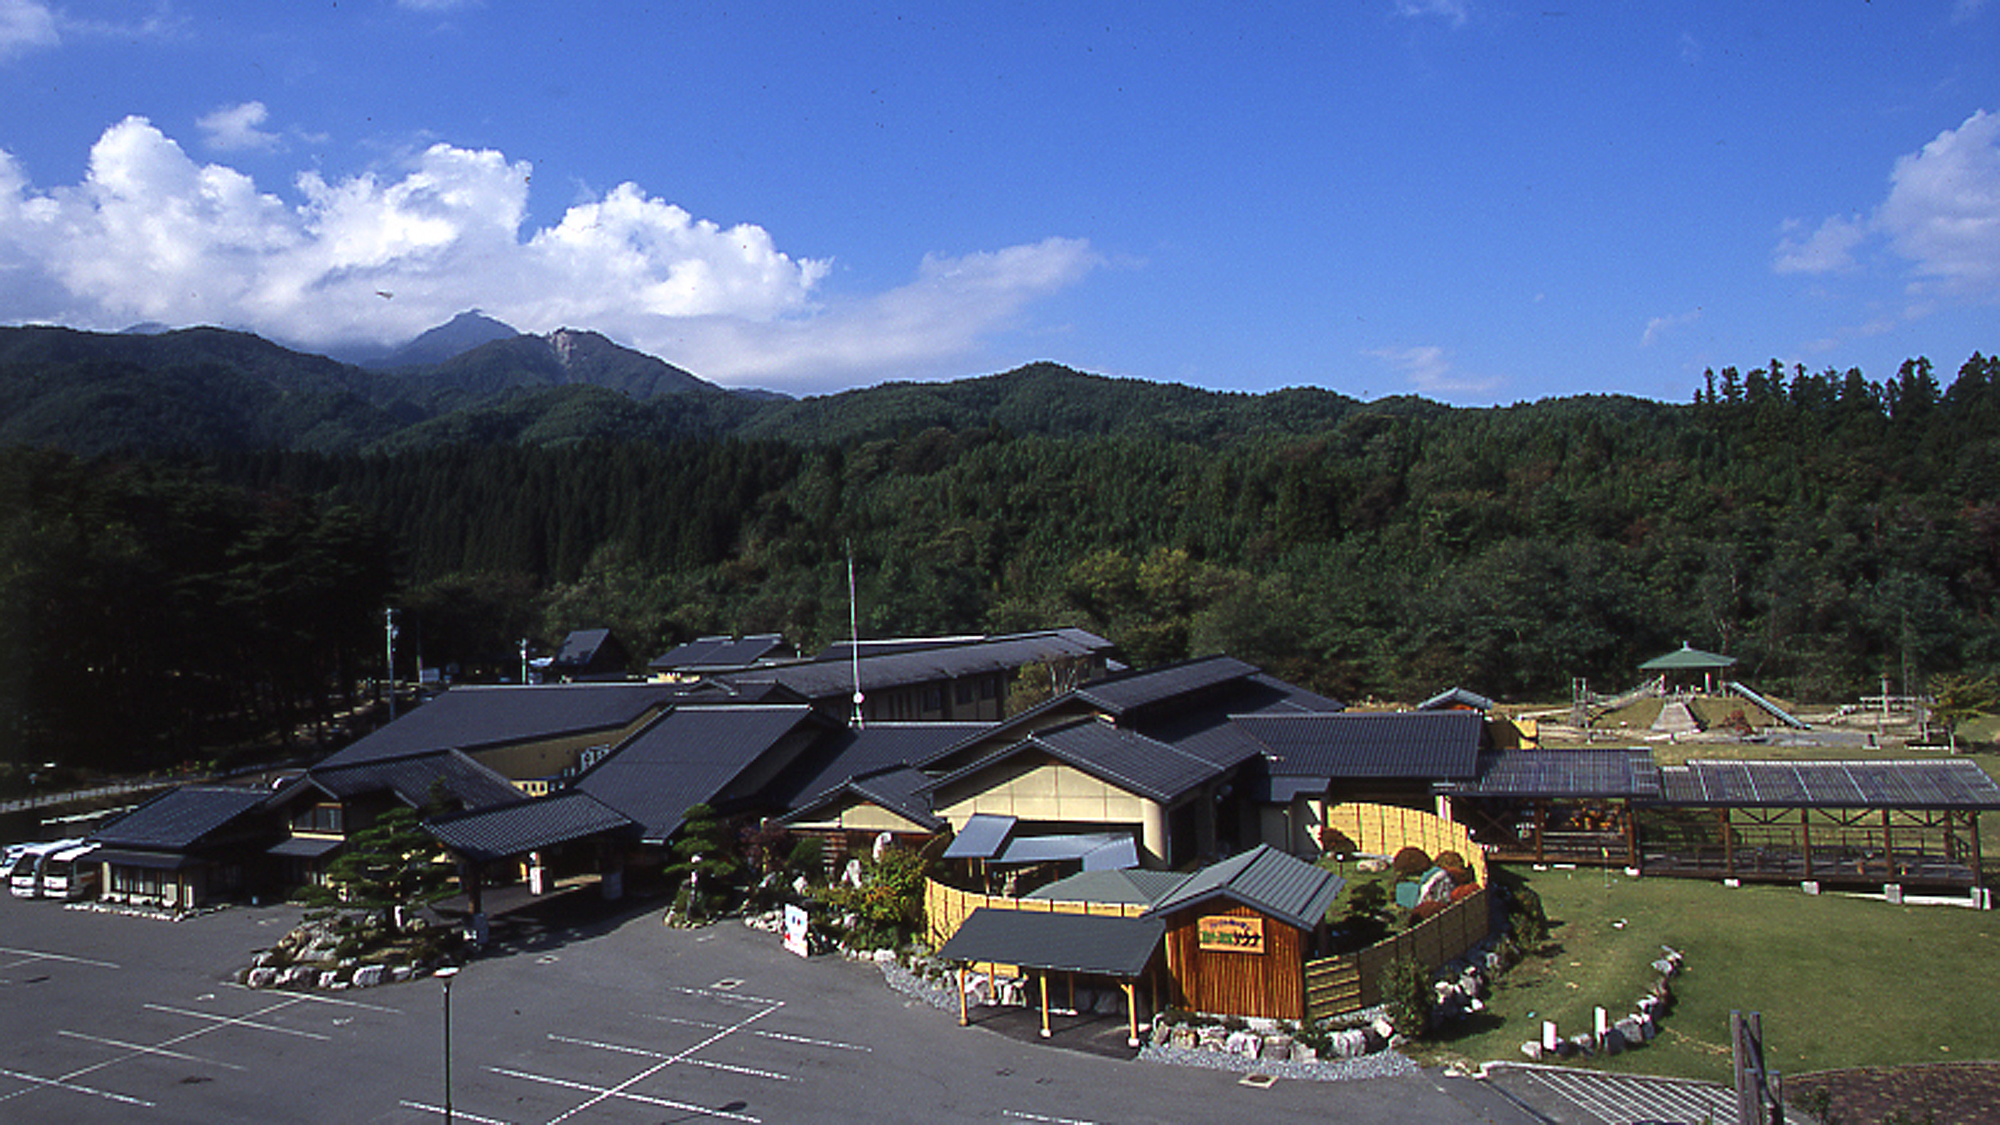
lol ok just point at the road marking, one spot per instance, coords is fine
(64, 1084)
(737, 998)
(1019, 1116)
(141, 1048)
(457, 1114)
(29, 956)
(243, 1021)
(620, 1091)
(651, 1054)
(781, 1035)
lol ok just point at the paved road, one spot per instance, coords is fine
(105, 1018)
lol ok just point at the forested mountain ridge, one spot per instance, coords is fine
(1826, 529)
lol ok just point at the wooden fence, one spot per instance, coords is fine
(1348, 983)
(1386, 829)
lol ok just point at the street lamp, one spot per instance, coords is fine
(445, 974)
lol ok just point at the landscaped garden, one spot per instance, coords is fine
(1841, 981)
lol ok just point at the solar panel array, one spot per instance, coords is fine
(1935, 784)
(1563, 773)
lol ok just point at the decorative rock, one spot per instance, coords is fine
(1213, 1038)
(401, 973)
(297, 974)
(1631, 1029)
(329, 978)
(1382, 1027)
(264, 960)
(1613, 1042)
(368, 976)
(262, 978)
(1532, 1050)
(1665, 967)
(1186, 1038)
(1301, 1053)
(1565, 1048)
(1278, 1046)
(1372, 864)
(1436, 887)
(1244, 1043)
(1350, 1044)
(1583, 1046)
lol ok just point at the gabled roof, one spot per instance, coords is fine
(1265, 880)
(841, 755)
(720, 654)
(1121, 694)
(581, 648)
(1456, 697)
(1426, 745)
(476, 717)
(1687, 658)
(821, 679)
(1126, 886)
(689, 756)
(181, 818)
(526, 825)
(415, 779)
(898, 789)
(1122, 758)
(983, 836)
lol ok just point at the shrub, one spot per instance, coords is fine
(1450, 860)
(1527, 923)
(1368, 900)
(1425, 909)
(1463, 891)
(1411, 861)
(1460, 876)
(1408, 996)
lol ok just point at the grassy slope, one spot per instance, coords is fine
(1840, 981)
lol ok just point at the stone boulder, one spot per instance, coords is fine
(262, 978)
(1246, 1043)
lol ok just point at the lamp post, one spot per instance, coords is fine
(445, 974)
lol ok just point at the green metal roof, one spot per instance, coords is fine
(1686, 659)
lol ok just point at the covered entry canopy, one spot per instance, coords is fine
(1077, 943)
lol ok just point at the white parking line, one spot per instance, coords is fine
(620, 1091)
(778, 1035)
(244, 1021)
(1019, 1116)
(141, 1048)
(64, 1084)
(29, 956)
(457, 1114)
(650, 1054)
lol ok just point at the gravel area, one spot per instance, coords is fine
(1381, 1064)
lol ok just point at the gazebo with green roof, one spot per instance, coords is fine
(1689, 660)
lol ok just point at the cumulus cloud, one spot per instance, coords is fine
(233, 127)
(26, 25)
(151, 234)
(1942, 215)
(1428, 370)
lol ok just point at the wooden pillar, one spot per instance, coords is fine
(1072, 992)
(1888, 848)
(1728, 846)
(1131, 1013)
(1805, 838)
(1541, 818)
(1045, 1006)
(1631, 834)
(1972, 826)
(964, 1013)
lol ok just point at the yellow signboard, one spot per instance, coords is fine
(1230, 932)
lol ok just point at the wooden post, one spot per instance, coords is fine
(1045, 1005)
(1805, 838)
(1888, 847)
(1131, 1012)
(1972, 824)
(964, 1015)
(1541, 818)
(1728, 846)
(1071, 977)
(1631, 834)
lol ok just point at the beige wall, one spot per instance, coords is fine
(1041, 788)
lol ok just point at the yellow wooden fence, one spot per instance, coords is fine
(1354, 981)
(1386, 829)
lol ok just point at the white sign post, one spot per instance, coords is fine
(795, 929)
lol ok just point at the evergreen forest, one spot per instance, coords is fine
(1826, 529)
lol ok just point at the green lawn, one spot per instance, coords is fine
(1841, 982)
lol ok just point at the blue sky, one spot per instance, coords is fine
(1477, 201)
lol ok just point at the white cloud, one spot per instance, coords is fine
(1661, 325)
(234, 127)
(26, 25)
(1828, 249)
(1428, 370)
(1456, 11)
(1943, 210)
(1942, 215)
(150, 234)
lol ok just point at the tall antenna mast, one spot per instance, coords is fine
(854, 638)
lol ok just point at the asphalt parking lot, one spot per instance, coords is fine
(121, 1019)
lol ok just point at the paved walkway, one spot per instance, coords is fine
(1562, 1096)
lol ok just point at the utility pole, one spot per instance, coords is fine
(389, 641)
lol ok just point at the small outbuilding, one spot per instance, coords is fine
(1238, 933)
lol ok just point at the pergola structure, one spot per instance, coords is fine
(1687, 661)
(1534, 806)
(1071, 944)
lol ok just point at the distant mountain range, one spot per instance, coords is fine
(477, 380)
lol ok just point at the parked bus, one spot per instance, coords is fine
(72, 873)
(25, 879)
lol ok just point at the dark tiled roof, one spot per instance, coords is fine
(1687, 658)
(690, 756)
(1563, 773)
(1080, 943)
(181, 818)
(1433, 745)
(1130, 886)
(1456, 697)
(901, 791)
(415, 779)
(1854, 784)
(819, 679)
(839, 756)
(526, 826)
(580, 648)
(1117, 695)
(1265, 880)
(1124, 758)
(705, 654)
(469, 718)
(983, 836)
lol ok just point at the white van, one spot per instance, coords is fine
(72, 873)
(25, 877)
